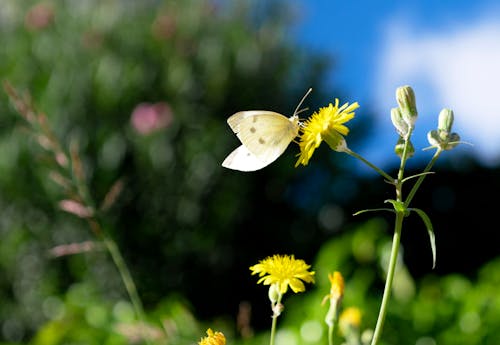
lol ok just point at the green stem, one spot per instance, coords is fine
(273, 330)
(374, 167)
(276, 312)
(404, 158)
(330, 335)
(396, 240)
(421, 178)
(128, 282)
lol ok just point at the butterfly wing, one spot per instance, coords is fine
(265, 134)
(243, 160)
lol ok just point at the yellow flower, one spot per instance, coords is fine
(350, 319)
(213, 338)
(335, 297)
(327, 124)
(284, 271)
(337, 286)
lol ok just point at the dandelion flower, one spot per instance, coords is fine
(326, 124)
(213, 338)
(283, 271)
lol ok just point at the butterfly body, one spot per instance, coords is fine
(264, 136)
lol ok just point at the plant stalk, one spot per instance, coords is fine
(374, 167)
(330, 335)
(421, 178)
(396, 240)
(128, 282)
(276, 312)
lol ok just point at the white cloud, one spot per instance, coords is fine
(457, 69)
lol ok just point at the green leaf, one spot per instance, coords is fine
(399, 206)
(417, 175)
(430, 231)
(372, 210)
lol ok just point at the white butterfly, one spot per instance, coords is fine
(264, 135)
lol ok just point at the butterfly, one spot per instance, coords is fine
(264, 136)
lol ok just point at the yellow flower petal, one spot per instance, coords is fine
(285, 271)
(337, 285)
(213, 338)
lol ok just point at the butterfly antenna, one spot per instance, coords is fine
(301, 111)
(296, 112)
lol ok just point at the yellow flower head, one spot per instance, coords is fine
(284, 271)
(350, 318)
(327, 124)
(213, 338)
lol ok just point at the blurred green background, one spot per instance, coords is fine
(145, 88)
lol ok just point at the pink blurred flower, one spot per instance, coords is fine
(39, 16)
(147, 118)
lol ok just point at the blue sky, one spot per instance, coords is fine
(448, 51)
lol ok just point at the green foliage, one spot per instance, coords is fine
(435, 310)
(442, 310)
(82, 317)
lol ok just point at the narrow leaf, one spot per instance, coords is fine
(417, 175)
(373, 210)
(430, 231)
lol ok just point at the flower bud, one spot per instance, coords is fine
(453, 141)
(274, 293)
(336, 141)
(335, 296)
(443, 139)
(398, 122)
(400, 146)
(406, 101)
(445, 120)
(433, 138)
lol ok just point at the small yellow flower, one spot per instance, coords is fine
(284, 271)
(327, 124)
(337, 286)
(350, 318)
(335, 296)
(213, 338)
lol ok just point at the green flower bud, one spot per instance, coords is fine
(443, 139)
(434, 138)
(453, 140)
(398, 122)
(445, 120)
(336, 141)
(406, 101)
(400, 146)
(274, 293)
